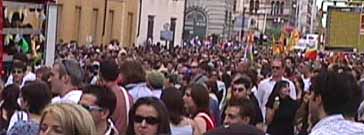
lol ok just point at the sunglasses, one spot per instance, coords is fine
(91, 108)
(64, 62)
(150, 120)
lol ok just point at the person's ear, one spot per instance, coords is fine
(246, 120)
(104, 114)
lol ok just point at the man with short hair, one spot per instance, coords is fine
(239, 112)
(28, 75)
(265, 87)
(330, 101)
(67, 76)
(109, 73)
(100, 102)
(155, 82)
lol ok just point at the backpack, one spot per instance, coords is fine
(22, 127)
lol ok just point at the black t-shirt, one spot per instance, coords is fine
(283, 120)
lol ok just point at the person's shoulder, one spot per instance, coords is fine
(264, 81)
(235, 130)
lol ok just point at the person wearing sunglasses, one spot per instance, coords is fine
(100, 102)
(241, 90)
(265, 87)
(148, 116)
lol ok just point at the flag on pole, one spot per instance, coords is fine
(24, 46)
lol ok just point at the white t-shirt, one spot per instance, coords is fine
(28, 77)
(265, 88)
(73, 96)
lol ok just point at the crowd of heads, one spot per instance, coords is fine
(156, 90)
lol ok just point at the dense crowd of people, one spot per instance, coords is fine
(194, 90)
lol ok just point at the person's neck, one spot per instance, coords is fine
(306, 75)
(35, 117)
(101, 127)
(277, 78)
(322, 114)
(67, 89)
(111, 83)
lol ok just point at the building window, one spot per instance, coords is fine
(94, 24)
(173, 29)
(256, 6)
(277, 8)
(111, 24)
(282, 8)
(251, 6)
(77, 23)
(362, 24)
(234, 6)
(273, 7)
(59, 22)
(150, 27)
(130, 34)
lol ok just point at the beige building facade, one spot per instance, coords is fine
(84, 21)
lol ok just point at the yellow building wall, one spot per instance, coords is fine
(83, 13)
(130, 26)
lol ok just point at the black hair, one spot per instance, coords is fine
(245, 80)
(9, 96)
(339, 92)
(246, 108)
(37, 94)
(163, 128)
(173, 99)
(106, 99)
(275, 92)
(200, 97)
(109, 70)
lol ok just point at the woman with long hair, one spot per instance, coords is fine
(196, 100)
(148, 116)
(8, 106)
(180, 124)
(281, 110)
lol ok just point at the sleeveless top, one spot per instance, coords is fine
(182, 130)
(209, 121)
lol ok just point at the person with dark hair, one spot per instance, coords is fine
(265, 87)
(330, 101)
(109, 73)
(239, 111)
(180, 125)
(281, 110)
(8, 106)
(199, 71)
(66, 79)
(34, 97)
(196, 100)
(101, 103)
(241, 88)
(134, 78)
(43, 73)
(21, 72)
(148, 116)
